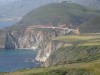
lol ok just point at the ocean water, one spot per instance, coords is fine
(6, 24)
(12, 60)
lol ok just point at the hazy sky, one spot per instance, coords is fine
(2, 2)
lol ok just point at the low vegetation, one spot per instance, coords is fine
(80, 40)
(91, 68)
(74, 54)
(91, 25)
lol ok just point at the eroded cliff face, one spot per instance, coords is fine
(38, 39)
(19, 39)
(2, 39)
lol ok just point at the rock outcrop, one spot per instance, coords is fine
(38, 39)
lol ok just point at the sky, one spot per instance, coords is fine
(3, 2)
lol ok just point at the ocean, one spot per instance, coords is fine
(12, 60)
(6, 24)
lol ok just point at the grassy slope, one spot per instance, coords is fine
(84, 48)
(91, 68)
(74, 54)
(92, 25)
(60, 13)
(57, 13)
(80, 40)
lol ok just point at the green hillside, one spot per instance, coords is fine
(92, 25)
(75, 54)
(83, 48)
(88, 3)
(58, 13)
(91, 68)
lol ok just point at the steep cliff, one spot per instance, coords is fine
(73, 54)
(2, 39)
(36, 38)
(83, 48)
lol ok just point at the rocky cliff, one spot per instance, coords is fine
(2, 37)
(38, 39)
